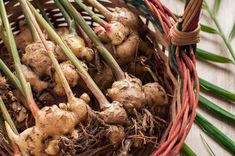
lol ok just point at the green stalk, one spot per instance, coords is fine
(187, 150)
(215, 133)
(218, 111)
(220, 31)
(12, 45)
(42, 11)
(11, 76)
(92, 14)
(77, 63)
(99, 45)
(68, 19)
(55, 63)
(102, 9)
(25, 85)
(4, 67)
(7, 116)
(152, 74)
(3, 36)
(217, 90)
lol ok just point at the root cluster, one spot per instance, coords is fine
(129, 125)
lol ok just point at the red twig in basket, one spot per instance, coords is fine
(184, 54)
(163, 14)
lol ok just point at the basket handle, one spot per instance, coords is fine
(183, 36)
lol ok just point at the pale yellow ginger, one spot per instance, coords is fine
(76, 44)
(155, 94)
(50, 122)
(133, 95)
(129, 92)
(37, 84)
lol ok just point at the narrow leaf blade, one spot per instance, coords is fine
(232, 33)
(187, 150)
(215, 133)
(212, 57)
(216, 6)
(207, 146)
(217, 110)
(227, 95)
(208, 29)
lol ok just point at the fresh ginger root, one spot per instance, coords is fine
(24, 37)
(129, 92)
(127, 51)
(133, 95)
(71, 74)
(126, 17)
(37, 84)
(36, 57)
(76, 44)
(50, 122)
(155, 95)
(104, 79)
(116, 33)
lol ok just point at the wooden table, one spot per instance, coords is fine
(219, 74)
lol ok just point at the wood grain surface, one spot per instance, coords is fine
(219, 74)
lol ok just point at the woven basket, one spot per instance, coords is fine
(180, 83)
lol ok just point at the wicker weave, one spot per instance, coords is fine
(180, 114)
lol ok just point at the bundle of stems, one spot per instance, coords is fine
(42, 38)
(98, 44)
(102, 100)
(26, 89)
(78, 64)
(9, 121)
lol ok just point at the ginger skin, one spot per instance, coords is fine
(50, 122)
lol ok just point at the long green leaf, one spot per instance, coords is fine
(216, 6)
(187, 150)
(7, 28)
(212, 57)
(208, 29)
(11, 76)
(215, 133)
(217, 90)
(232, 33)
(218, 111)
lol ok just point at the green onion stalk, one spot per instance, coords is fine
(26, 88)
